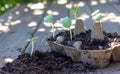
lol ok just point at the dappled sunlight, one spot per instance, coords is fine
(81, 4)
(60, 29)
(68, 5)
(52, 30)
(84, 16)
(117, 19)
(15, 22)
(17, 12)
(61, 1)
(7, 23)
(8, 60)
(41, 29)
(26, 9)
(13, 17)
(94, 2)
(73, 26)
(32, 24)
(38, 12)
(103, 1)
(52, 12)
(58, 24)
(10, 17)
(110, 17)
(36, 6)
(29, 5)
(73, 21)
(4, 28)
(97, 2)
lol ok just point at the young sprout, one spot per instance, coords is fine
(49, 19)
(74, 13)
(97, 16)
(32, 40)
(66, 22)
(97, 28)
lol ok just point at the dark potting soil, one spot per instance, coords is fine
(44, 63)
(87, 42)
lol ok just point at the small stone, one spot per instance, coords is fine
(114, 34)
(60, 39)
(69, 43)
(100, 47)
(77, 44)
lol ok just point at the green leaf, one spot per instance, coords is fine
(66, 22)
(72, 12)
(97, 17)
(77, 10)
(33, 38)
(48, 19)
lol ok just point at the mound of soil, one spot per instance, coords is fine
(44, 63)
(87, 42)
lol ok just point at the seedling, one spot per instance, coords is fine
(74, 13)
(32, 40)
(97, 16)
(97, 28)
(49, 19)
(66, 22)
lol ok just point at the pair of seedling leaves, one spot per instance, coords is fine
(32, 40)
(96, 16)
